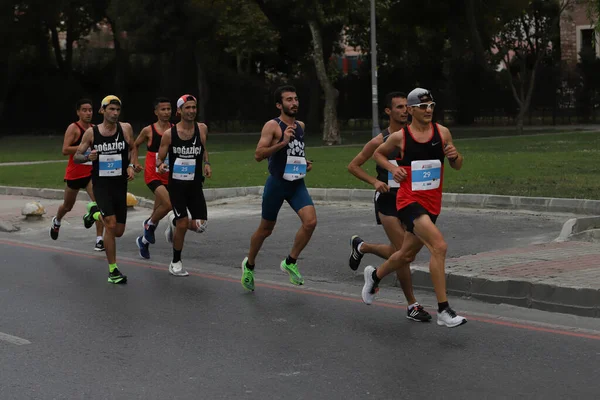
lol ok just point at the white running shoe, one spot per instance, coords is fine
(449, 318)
(370, 289)
(169, 230)
(176, 269)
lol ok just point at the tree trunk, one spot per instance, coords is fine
(313, 119)
(201, 82)
(56, 46)
(121, 60)
(331, 131)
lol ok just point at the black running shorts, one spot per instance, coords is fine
(188, 197)
(111, 197)
(408, 214)
(155, 184)
(385, 203)
(78, 184)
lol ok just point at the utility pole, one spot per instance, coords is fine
(375, 102)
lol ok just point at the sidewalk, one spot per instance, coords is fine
(558, 277)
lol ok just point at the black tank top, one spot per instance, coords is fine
(433, 149)
(156, 138)
(81, 132)
(185, 158)
(278, 160)
(382, 174)
(113, 155)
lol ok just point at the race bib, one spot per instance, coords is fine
(110, 165)
(166, 161)
(391, 182)
(87, 153)
(426, 175)
(295, 168)
(184, 169)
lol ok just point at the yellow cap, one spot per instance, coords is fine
(110, 99)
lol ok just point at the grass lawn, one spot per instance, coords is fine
(554, 165)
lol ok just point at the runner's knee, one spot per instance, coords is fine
(439, 248)
(310, 224)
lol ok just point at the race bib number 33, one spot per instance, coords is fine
(184, 170)
(110, 165)
(391, 182)
(426, 175)
(166, 163)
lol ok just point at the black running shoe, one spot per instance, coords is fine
(355, 255)
(116, 277)
(99, 245)
(418, 314)
(54, 229)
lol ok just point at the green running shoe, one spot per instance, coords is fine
(116, 277)
(88, 218)
(247, 276)
(292, 269)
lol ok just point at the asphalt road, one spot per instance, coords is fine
(66, 333)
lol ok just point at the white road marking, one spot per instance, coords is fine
(13, 339)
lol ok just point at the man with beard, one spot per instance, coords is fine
(422, 148)
(110, 143)
(282, 143)
(77, 176)
(157, 183)
(185, 144)
(386, 190)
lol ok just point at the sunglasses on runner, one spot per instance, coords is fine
(425, 106)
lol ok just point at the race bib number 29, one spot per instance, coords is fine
(426, 175)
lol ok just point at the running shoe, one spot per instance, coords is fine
(88, 218)
(116, 277)
(99, 245)
(143, 248)
(149, 231)
(370, 288)
(355, 255)
(176, 269)
(247, 276)
(54, 229)
(292, 270)
(418, 314)
(449, 318)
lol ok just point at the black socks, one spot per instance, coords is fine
(176, 255)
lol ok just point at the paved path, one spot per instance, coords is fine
(495, 256)
(72, 335)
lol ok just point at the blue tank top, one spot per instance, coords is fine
(278, 160)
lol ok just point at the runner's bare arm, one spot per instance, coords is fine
(309, 163)
(454, 157)
(355, 166)
(203, 137)
(163, 150)
(265, 148)
(87, 140)
(141, 139)
(70, 136)
(133, 155)
(395, 140)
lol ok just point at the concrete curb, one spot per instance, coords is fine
(489, 201)
(570, 300)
